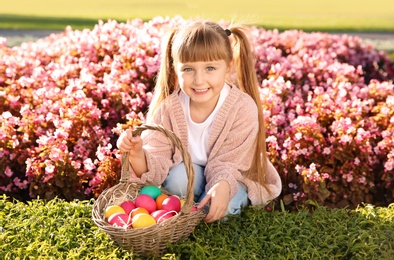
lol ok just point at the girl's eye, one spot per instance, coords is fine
(187, 69)
(210, 68)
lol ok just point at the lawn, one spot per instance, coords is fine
(334, 15)
(63, 230)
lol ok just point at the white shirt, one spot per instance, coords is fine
(198, 133)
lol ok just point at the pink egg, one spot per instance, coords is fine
(172, 203)
(120, 220)
(145, 201)
(128, 206)
(162, 214)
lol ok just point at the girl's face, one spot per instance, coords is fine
(202, 81)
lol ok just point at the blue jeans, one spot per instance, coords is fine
(176, 183)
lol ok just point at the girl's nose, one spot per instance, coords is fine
(198, 78)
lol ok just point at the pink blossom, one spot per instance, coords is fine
(298, 136)
(292, 185)
(357, 161)
(49, 168)
(8, 172)
(345, 139)
(348, 177)
(21, 184)
(76, 164)
(56, 154)
(6, 188)
(88, 164)
(6, 115)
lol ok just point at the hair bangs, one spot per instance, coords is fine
(202, 45)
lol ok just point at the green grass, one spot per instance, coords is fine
(333, 15)
(64, 230)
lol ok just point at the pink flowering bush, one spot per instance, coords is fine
(328, 108)
(64, 97)
(328, 102)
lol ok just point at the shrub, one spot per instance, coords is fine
(328, 104)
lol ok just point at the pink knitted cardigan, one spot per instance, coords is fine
(231, 146)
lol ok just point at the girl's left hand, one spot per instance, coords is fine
(219, 196)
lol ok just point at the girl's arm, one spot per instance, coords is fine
(133, 145)
(150, 155)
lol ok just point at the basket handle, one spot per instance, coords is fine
(125, 173)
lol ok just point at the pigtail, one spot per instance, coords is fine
(244, 65)
(166, 79)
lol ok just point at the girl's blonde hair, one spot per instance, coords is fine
(208, 41)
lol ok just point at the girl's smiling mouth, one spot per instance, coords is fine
(201, 90)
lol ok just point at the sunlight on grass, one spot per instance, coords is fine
(63, 230)
(304, 14)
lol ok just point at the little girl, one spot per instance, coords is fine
(207, 93)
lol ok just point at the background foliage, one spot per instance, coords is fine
(328, 102)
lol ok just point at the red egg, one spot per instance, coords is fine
(128, 206)
(145, 201)
(172, 203)
(120, 220)
(162, 214)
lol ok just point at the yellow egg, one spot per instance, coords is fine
(142, 220)
(183, 202)
(112, 210)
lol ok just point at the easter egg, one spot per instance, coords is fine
(138, 211)
(194, 209)
(159, 200)
(151, 190)
(112, 210)
(145, 201)
(120, 220)
(162, 214)
(142, 220)
(128, 206)
(171, 203)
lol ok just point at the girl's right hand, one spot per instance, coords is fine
(129, 143)
(133, 145)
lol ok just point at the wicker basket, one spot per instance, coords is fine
(150, 241)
